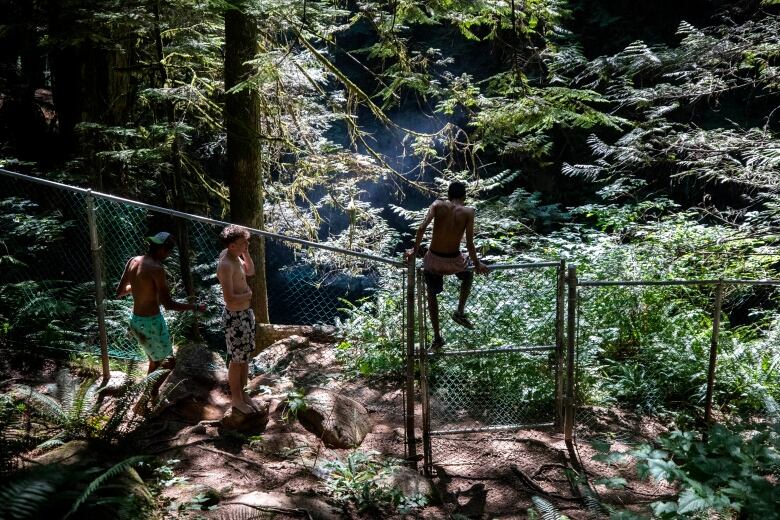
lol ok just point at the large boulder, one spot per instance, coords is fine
(195, 361)
(196, 372)
(276, 358)
(117, 384)
(339, 421)
(70, 453)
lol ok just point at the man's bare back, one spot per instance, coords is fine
(144, 278)
(450, 221)
(231, 272)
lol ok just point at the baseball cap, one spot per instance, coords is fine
(160, 238)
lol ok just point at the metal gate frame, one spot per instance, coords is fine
(561, 399)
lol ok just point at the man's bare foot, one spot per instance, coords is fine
(244, 408)
(248, 400)
(461, 319)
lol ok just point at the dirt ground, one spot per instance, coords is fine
(479, 476)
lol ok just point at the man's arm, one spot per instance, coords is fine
(225, 277)
(479, 267)
(124, 288)
(164, 293)
(249, 265)
(421, 231)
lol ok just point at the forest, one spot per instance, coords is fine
(623, 162)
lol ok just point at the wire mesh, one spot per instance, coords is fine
(49, 270)
(499, 377)
(641, 352)
(642, 363)
(46, 283)
(47, 298)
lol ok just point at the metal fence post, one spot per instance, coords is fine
(713, 352)
(424, 389)
(568, 426)
(560, 294)
(100, 301)
(411, 441)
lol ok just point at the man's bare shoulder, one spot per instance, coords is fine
(148, 264)
(225, 264)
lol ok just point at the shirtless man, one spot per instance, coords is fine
(451, 219)
(238, 319)
(145, 279)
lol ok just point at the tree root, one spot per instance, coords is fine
(533, 486)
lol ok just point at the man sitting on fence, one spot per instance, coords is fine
(238, 319)
(451, 220)
(144, 277)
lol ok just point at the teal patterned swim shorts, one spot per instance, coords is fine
(153, 336)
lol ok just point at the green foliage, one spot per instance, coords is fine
(362, 478)
(372, 333)
(727, 473)
(76, 412)
(293, 405)
(56, 491)
(522, 125)
(648, 347)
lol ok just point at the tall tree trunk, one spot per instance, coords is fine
(242, 121)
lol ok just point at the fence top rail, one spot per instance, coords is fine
(507, 267)
(725, 281)
(198, 218)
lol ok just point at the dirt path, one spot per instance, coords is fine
(473, 473)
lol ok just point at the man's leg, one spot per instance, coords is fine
(140, 407)
(235, 380)
(433, 313)
(459, 316)
(434, 284)
(244, 381)
(465, 289)
(166, 364)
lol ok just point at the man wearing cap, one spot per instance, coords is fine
(144, 277)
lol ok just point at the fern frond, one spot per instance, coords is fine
(547, 510)
(22, 499)
(66, 388)
(42, 403)
(49, 444)
(112, 472)
(83, 402)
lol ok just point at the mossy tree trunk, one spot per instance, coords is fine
(242, 122)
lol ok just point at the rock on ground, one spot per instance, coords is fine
(339, 421)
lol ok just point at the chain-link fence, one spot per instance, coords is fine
(502, 376)
(652, 349)
(683, 352)
(57, 240)
(48, 279)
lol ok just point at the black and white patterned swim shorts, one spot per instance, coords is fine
(239, 334)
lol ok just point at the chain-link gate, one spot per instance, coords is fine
(504, 375)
